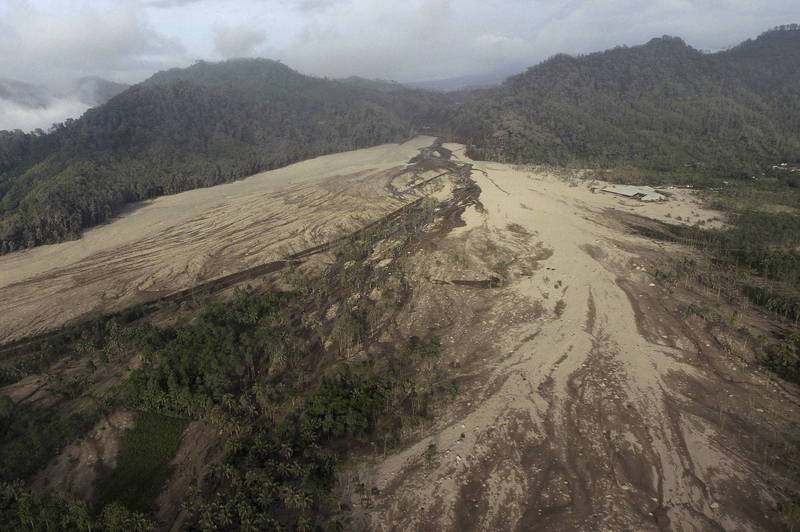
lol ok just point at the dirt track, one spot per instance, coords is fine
(587, 402)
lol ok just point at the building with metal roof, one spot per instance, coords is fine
(631, 191)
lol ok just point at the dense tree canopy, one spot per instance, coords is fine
(662, 106)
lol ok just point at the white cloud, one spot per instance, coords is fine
(15, 116)
(53, 44)
(171, 3)
(420, 39)
(62, 43)
(237, 41)
(127, 40)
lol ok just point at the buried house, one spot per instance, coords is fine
(640, 193)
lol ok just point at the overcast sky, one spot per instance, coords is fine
(57, 41)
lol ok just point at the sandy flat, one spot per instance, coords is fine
(177, 241)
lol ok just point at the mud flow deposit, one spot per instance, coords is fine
(587, 396)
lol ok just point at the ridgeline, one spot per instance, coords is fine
(663, 109)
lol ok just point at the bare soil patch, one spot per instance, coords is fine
(76, 470)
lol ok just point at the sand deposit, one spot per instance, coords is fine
(586, 402)
(585, 399)
(178, 241)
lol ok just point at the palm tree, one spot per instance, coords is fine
(304, 524)
(286, 450)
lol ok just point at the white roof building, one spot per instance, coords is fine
(640, 193)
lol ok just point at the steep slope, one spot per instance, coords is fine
(770, 67)
(661, 106)
(183, 129)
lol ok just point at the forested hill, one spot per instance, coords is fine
(661, 106)
(182, 129)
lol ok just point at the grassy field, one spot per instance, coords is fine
(143, 465)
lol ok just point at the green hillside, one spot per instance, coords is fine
(182, 129)
(661, 106)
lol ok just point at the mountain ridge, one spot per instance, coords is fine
(662, 107)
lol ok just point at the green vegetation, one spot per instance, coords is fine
(22, 509)
(755, 259)
(663, 108)
(190, 369)
(143, 462)
(285, 376)
(784, 358)
(431, 455)
(762, 244)
(281, 474)
(103, 336)
(247, 367)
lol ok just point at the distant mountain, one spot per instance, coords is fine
(375, 84)
(474, 81)
(28, 106)
(94, 91)
(91, 91)
(24, 94)
(662, 106)
(187, 128)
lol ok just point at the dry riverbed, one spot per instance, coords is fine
(586, 401)
(175, 242)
